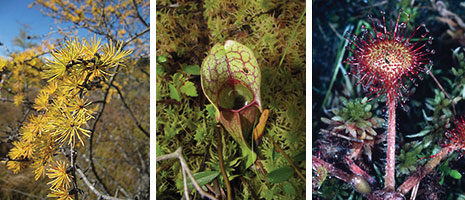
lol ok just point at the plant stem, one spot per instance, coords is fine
(389, 181)
(426, 169)
(336, 172)
(219, 130)
(287, 157)
(442, 89)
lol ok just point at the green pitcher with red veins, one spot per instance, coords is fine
(230, 78)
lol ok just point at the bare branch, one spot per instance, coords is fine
(138, 14)
(73, 171)
(135, 37)
(120, 188)
(24, 193)
(92, 188)
(130, 112)
(97, 119)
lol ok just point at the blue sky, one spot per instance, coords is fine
(14, 13)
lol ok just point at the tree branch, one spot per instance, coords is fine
(92, 188)
(138, 14)
(135, 36)
(24, 193)
(130, 112)
(112, 179)
(97, 119)
(72, 158)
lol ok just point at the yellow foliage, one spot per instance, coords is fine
(41, 101)
(59, 84)
(19, 99)
(61, 194)
(16, 166)
(57, 172)
(63, 108)
(3, 62)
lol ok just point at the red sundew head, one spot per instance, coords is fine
(455, 138)
(383, 58)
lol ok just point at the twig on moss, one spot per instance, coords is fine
(186, 189)
(219, 130)
(164, 166)
(178, 154)
(217, 195)
(286, 156)
(169, 101)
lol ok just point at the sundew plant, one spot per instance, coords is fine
(391, 126)
(230, 81)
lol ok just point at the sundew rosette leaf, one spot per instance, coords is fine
(385, 56)
(231, 81)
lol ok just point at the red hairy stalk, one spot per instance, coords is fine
(389, 180)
